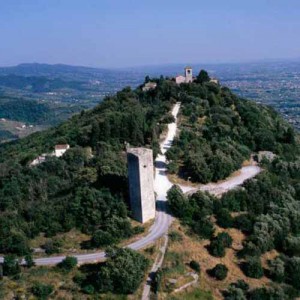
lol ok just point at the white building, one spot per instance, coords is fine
(39, 160)
(188, 71)
(149, 86)
(61, 149)
(214, 80)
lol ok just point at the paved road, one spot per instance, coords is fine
(162, 220)
(223, 186)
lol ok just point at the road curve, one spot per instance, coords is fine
(162, 219)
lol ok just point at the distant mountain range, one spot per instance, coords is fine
(54, 71)
(62, 90)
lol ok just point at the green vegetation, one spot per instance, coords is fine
(219, 272)
(11, 266)
(68, 263)
(193, 211)
(219, 243)
(220, 130)
(42, 291)
(28, 111)
(38, 84)
(87, 188)
(79, 190)
(196, 294)
(195, 266)
(121, 273)
(252, 267)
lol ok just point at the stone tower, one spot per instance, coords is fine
(188, 74)
(141, 187)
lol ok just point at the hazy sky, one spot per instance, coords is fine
(120, 33)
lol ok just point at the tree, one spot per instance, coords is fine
(252, 267)
(224, 218)
(177, 201)
(202, 77)
(195, 266)
(102, 238)
(234, 293)
(243, 222)
(11, 265)
(225, 239)
(277, 269)
(219, 272)
(292, 272)
(29, 261)
(216, 248)
(122, 272)
(68, 263)
(203, 228)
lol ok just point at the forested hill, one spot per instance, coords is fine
(219, 130)
(89, 192)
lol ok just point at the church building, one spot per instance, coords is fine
(188, 72)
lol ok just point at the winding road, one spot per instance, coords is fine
(163, 219)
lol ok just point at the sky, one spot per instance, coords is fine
(128, 33)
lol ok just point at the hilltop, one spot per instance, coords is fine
(86, 189)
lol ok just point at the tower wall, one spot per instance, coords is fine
(141, 188)
(188, 74)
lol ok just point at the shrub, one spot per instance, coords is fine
(175, 236)
(252, 267)
(156, 282)
(41, 291)
(195, 266)
(52, 246)
(240, 284)
(204, 228)
(225, 239)
(219, 243)
(216, 248)
(68, 263)
(88, 289)
(173, 167)
(102, 238)
(138, 229)
(219, 272)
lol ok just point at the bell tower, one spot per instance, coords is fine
(188, 74)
